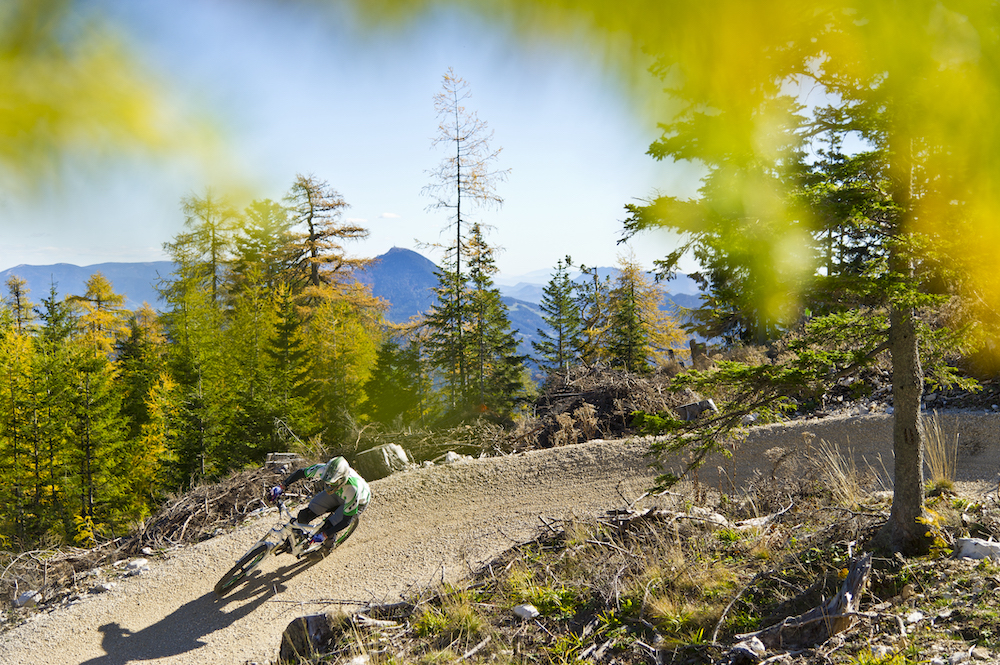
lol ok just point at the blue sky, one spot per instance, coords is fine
(297, 91)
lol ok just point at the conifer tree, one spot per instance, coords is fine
(343, 340)
(398, 386)
(289, 356)
(562, 344)
(496, 382)
(464, 180)
(592, 298)
(264, 240)
(18, 444)
(211, 221)
(97, 431)
(146, 394)
(640, 333)
(316, 210)
(54, 409)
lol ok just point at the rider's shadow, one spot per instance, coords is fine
(259, 582)
(183, 630)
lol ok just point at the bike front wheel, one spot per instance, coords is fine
(247, 563)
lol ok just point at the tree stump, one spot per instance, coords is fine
(821, 623)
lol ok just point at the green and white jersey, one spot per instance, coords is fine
(354, 492)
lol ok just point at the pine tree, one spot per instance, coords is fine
(562, 344)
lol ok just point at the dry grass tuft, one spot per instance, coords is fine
(940, 454)
(840, 473)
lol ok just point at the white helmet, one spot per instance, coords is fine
(336, 471)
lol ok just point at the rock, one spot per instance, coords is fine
(915, 617)
(138, 564)
(981, 653)
(305, 637)
(103, 588)
(880, 651)
(148, 551)
(976, 548)
(451, 457)
(693, 410)
(28, 599)
(754, 646)
(526, 611)
(381, 461)
(959, 657)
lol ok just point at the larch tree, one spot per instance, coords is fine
(465, 179)
(211, 221)
(97, 431)
(316, 211)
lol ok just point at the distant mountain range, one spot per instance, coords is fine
(136, 281)
(402, 277)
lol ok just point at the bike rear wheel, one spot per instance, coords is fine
(249, 561)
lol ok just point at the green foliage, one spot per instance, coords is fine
(562, 346)
(640, 334)
(398, 387)
(455, 619)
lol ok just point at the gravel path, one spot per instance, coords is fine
(423, 526)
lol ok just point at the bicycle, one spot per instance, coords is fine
(291, 537)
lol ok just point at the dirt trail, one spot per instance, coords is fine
(423, 526)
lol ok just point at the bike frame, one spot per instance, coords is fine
(297, 535)
(290, 536)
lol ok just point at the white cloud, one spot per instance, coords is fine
(389, 215)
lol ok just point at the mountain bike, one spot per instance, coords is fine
(292, 537)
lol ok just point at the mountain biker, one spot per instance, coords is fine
(345, 495)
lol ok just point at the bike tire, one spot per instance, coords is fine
(346, 533)
(248, 562)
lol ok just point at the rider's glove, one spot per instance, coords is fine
(276, 491)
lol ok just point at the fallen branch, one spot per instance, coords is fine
(472, 652)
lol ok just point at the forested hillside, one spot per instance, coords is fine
(266, 334)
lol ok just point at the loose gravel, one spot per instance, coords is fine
(424, 526)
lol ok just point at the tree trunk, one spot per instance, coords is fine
(903, 533)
